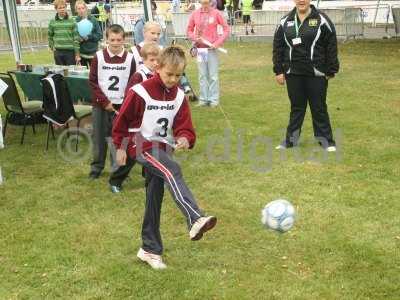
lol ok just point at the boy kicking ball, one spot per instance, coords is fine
(158, 107)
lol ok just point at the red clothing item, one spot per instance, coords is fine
(98, 97)
(131, 115)
(135, 79)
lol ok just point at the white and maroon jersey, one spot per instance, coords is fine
(136, 54)
(113, 78)
(158, 116)
(145, 72)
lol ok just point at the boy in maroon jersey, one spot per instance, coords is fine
(150, 53)
(109, 74)
(156, 114)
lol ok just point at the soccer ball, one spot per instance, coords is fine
(278, 215)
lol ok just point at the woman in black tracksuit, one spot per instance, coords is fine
(305, 56)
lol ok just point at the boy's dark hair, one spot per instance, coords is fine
(173, 55)
(115, 28)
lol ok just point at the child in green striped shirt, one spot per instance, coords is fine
(63, 36)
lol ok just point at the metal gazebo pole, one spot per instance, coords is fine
(10, 14)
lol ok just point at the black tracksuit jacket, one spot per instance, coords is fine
(317, 53)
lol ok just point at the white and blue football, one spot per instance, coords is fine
(278, 215)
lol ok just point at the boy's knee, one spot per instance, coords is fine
(175, 169)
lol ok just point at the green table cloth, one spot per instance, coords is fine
(78, 86)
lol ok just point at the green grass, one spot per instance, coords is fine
(63, 236)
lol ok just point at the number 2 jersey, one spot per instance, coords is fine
(109, 76)
(150, 109)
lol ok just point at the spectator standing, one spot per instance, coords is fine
(63, 36)
(203, 29)
(89, 43)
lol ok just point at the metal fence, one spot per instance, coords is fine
(376, 14)
(348, 22)
(264, 23)
(33, 34)
(179, 24)
(396, 18)
(127, 21)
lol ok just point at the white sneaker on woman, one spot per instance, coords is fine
(154, 260)
(280, 147)
(330, 149)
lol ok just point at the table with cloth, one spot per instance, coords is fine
(78, 85)
(78, 88)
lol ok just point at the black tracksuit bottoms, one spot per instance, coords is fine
(121, 173)
(302, 89)
(160, 168)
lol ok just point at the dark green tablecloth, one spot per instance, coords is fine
(29, 82)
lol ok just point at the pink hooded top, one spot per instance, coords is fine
(204, 23)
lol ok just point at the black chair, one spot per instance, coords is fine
(27, 110)
(58, 107)
(80, 112)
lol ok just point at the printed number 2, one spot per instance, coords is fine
(164, 127)
(113, 86)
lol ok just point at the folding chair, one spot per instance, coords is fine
(58, 106)
(26, 110)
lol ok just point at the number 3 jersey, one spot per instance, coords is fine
(155, 112)
(158, 116)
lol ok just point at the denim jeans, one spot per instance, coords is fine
(208, 78)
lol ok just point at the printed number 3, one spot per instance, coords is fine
(113, 86)
(164, 127)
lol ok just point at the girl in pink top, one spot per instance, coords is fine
(203, 25)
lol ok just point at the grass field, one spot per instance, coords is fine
(64, 236)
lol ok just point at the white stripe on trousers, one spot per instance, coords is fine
(169, 175)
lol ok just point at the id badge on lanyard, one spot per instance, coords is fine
(297, 40)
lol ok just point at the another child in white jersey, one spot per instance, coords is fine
(151, 34)
(110, 71)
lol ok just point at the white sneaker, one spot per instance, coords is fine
(201, 103)
(280, 147)
(330, 149)
(154, 260)
(202, 225)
